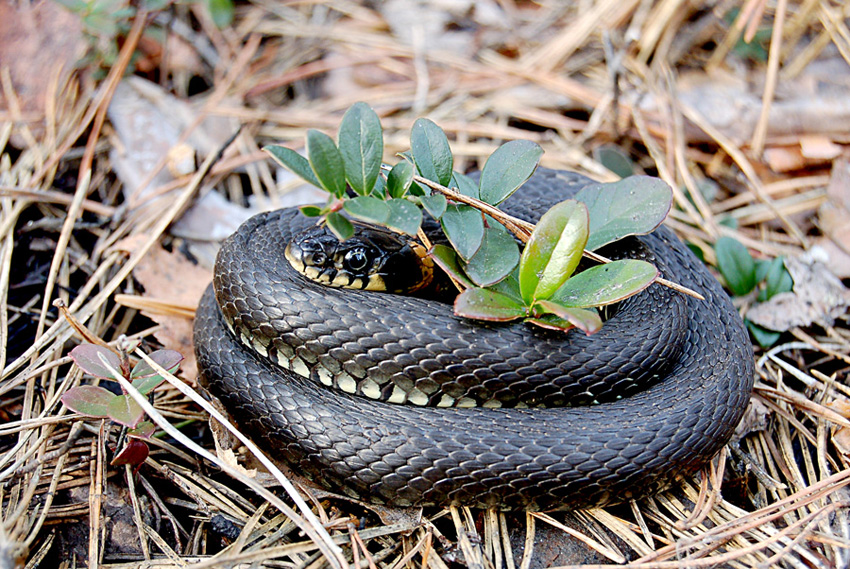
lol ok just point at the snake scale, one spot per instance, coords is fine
(666, 380)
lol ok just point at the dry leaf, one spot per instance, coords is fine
(170, 277)
(819, 297)
(39, 41)
(841, 435)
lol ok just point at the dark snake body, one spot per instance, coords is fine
(685, 366)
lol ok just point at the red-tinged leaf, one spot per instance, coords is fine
(484, 304)
(123, 409)
(88, 400)
(551, 322)
(587, 321)
(168, 359)
(90, 358)
(134, 453)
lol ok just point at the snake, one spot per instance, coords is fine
(393, 399)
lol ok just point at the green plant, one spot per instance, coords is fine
(498, 281)
(98, 402)
(743, 275)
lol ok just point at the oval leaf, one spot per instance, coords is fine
(606, 284)
(553, 251)
(507, 169)
(88, 400)
(633, 206)
(736, 265)
(465, 185)
(447, 259)
(148, 383)
(134, 452)
(435, 205)
(483, 304)
(340, 226)
(431, 152)
(464, 227)
(311, 210)
(404, 216)
(368, 209)
(588, 321)
(124, 410)
(90, 358)
(168, 359)
(399, 179)
(326, 162)
(361, 143)
(299, 165)
(143, 430)
(495, 259)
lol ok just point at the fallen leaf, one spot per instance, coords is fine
(39, 42)
(841, 435)
(170, 277)
(819, 297)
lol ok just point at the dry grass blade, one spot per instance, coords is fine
(575, 78)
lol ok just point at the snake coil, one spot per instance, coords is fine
(668, 378)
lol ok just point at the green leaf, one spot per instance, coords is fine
(92, 359)
(507, 169)
(340, 226)
(361, 143)
(633, 206)
(88, 400)
(464, 227)
(299, 165)
(615, 160)
(778, 278)
(399, 179)
(484, 304)
(495, 259)
(221, 12)
(404, 216)
(465, 185)
(447, 259)
(168, 359)
(435, 205)
(553, 251)
(431, 151)
(606, 284)
(765, 338)
(123, 409)
(311, 210)
(143, 430)
(368, 209)
(326, 162)
(736, 265)
(588, 321)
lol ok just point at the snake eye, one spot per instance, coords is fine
(356, 259)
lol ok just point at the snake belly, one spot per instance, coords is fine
(665, 381)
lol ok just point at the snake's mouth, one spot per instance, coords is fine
(374, 259)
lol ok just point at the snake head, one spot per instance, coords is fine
(373, 259)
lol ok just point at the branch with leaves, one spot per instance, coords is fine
(499, 282)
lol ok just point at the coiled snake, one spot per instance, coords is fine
(668, 378)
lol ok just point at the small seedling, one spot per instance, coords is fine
(498, 281)
(98, 402)
(743, 275)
